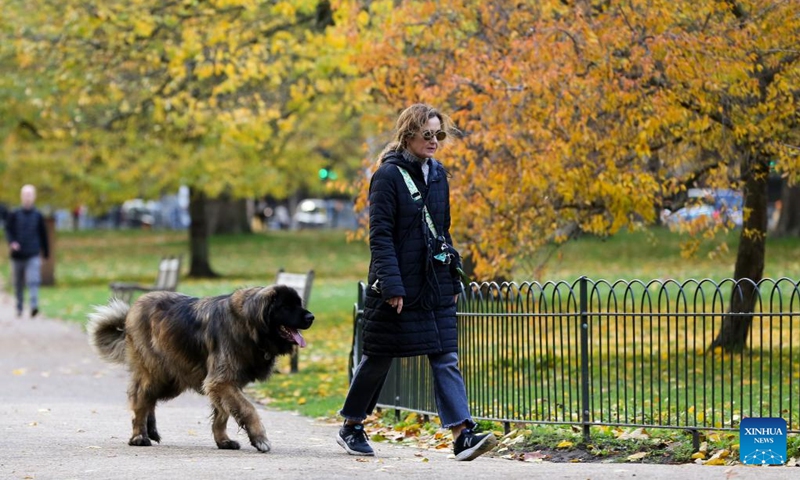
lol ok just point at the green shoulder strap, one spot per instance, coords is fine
(417, 197)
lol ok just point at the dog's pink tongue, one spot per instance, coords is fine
(298, 339)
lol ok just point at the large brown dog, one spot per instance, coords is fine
(216, 346)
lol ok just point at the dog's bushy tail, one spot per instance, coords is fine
(106, 329)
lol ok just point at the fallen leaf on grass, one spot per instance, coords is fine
(533, 457)
(722, 454)
(718, 458)
(565, 444)
(699, 455)
(637, 456)
(409, 430)
(513, 441)
(638, 434)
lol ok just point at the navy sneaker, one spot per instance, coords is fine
(353, 438)
(469, 446)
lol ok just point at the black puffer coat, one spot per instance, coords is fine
(401, 264)
(26, 227)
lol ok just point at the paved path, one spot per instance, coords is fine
(63, 415)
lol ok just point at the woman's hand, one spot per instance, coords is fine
(396, 302)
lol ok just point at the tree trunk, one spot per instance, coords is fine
(749, 257)
(227, 216)
(48, 269)
(789, 220)
(198, 236)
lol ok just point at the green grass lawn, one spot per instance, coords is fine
(88, 261)
(655, 253)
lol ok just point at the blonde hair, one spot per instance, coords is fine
(411, 121)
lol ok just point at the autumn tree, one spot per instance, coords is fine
(226, 96)
(586, 116)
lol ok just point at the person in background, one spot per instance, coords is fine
(27, 242)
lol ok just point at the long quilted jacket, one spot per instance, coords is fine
(401, 264)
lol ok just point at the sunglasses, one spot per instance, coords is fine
(428, 135)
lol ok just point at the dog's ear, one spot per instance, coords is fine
(249, 303)
(269, 304)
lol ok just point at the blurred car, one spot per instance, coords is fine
(311, 213)
(139, 213)
(325, 213)
(729, 203)
(708, 206)
(693, 214)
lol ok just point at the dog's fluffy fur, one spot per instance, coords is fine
(217, 345)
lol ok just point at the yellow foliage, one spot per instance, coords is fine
(584, 120)
(228, 95)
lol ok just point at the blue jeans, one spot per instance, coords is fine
(27, 272)
(448, 387)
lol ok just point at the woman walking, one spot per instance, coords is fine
(413, 285)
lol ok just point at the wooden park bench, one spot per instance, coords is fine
(169, 271)
(301, 282)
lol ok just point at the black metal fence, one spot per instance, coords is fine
(624, 353)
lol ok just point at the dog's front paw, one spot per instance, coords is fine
(139, 441)
(262, 444)
(228, 445)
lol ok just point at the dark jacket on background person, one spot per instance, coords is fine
(26, 227)
(401, 264)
